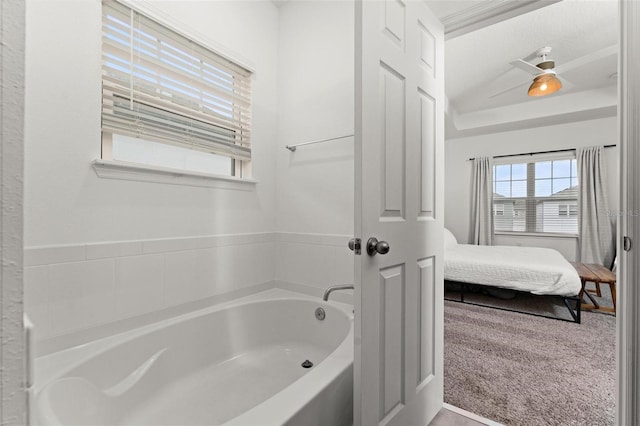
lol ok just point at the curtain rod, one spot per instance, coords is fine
(539, 152)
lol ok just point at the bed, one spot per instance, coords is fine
(539, 271)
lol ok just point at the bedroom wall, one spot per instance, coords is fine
(101, 250)
(315, 183)
(571, 135)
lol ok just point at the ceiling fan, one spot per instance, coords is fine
(545, 81)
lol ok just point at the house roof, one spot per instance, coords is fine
(569, 192)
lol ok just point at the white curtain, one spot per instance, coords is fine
(482, 202)
(595, 227)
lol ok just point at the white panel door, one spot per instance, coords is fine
(399, 196)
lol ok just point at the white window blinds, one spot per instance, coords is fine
(160, 86)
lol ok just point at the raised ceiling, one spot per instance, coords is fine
(583, 35)
(444, 8)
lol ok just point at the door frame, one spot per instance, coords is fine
(489, 12)
(13, 397)
(628, 324)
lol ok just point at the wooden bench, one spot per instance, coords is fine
(597, 274)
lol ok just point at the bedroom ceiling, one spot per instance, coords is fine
(583, 35)
(584, 38)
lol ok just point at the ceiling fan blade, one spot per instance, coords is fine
(587, 59)
(526, 66)
(502, 92)
(566, 84)
(532, 56)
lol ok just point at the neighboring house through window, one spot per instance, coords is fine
(539, 196)
(169, 101)
(567, 210)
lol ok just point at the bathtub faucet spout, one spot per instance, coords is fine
(331, 289)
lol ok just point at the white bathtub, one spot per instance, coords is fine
(235, 364)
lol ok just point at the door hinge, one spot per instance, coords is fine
(626, 245)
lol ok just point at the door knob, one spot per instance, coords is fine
(374, 246)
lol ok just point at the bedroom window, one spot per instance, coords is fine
(567, 210)
(168, 101)
(536, 197)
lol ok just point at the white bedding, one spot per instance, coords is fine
(531, 269)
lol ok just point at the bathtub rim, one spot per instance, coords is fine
(56, 364)
(278, 407)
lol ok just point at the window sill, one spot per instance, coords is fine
(533, 234)
(109, 169)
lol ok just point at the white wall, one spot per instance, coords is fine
(65, 202)
(315, 183)
(13, 351)
(103, 250)
(316, 96)
(572, 135)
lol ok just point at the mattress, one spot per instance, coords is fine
(531, 269)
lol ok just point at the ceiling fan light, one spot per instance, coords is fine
(545, 84)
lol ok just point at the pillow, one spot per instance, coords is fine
(449, 239)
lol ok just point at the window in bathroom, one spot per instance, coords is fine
(168, 101)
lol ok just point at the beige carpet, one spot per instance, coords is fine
(523, 370)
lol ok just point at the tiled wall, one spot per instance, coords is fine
(312, 262)
(76, 287)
